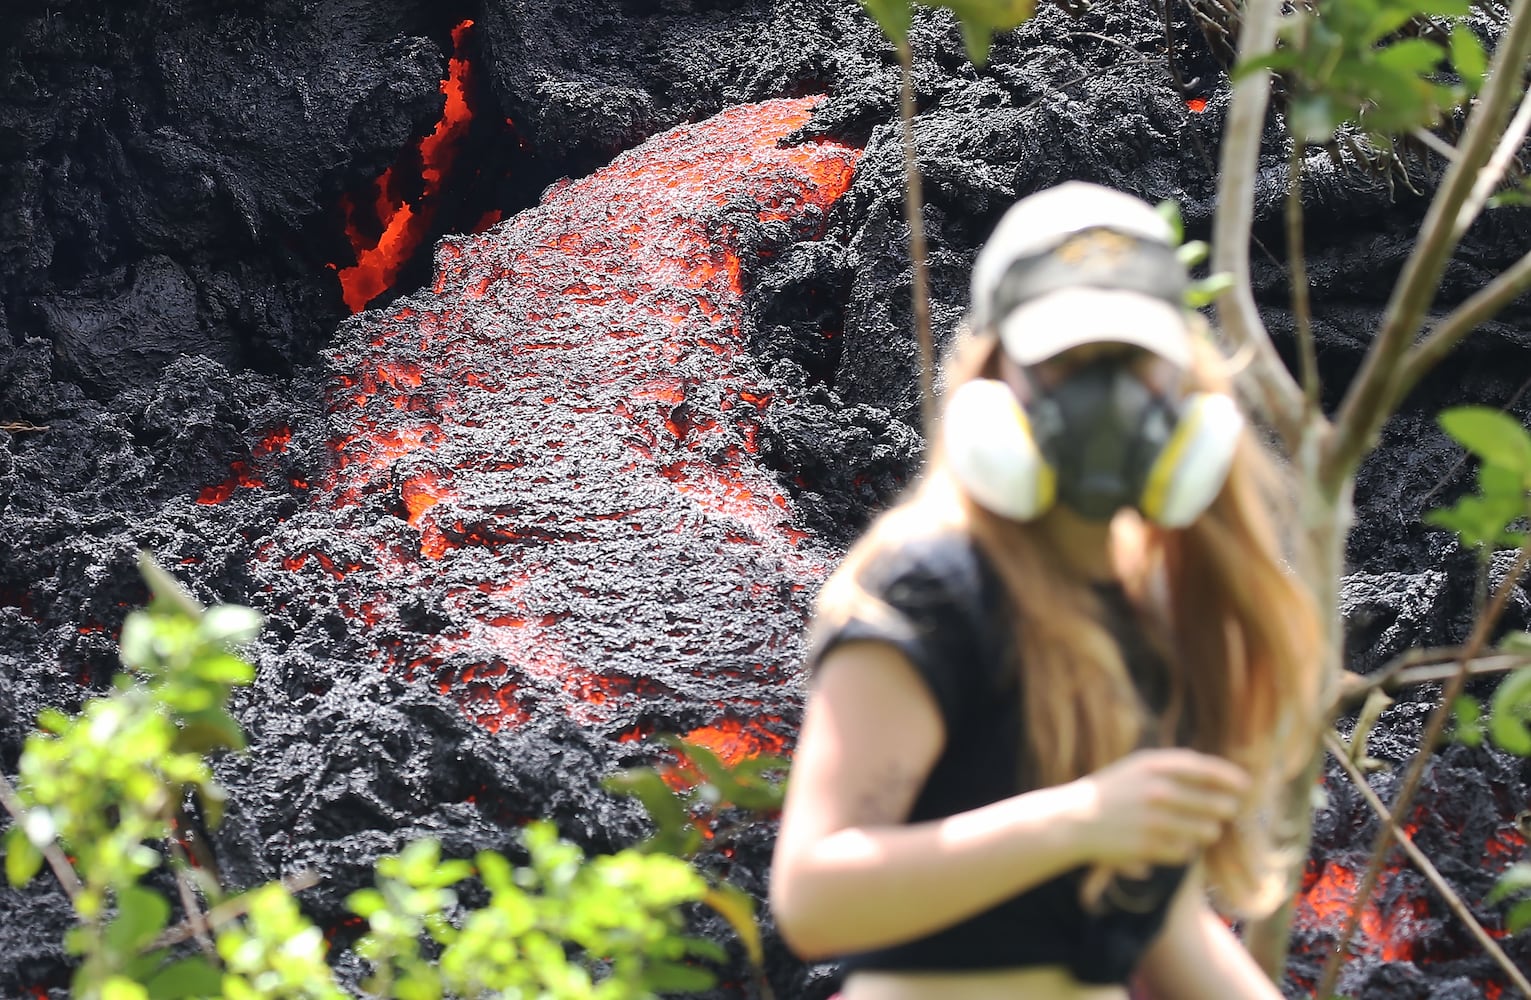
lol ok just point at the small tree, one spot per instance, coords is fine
(1348, 67)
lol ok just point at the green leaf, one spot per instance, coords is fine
(166, 589)
(893, 16)
(136, 646)
(1467, 721)
(982, 19)
(1314, 118)
(1511, 708)
(141, 916)
(738, 908)
(671, 977)
(1169, 211)
(1492, 435)
(1516, 642)
(664, 807)
(120, 988)
(207, 730)
(1412, 56)
(230, 624)
(1516, 878)
(190, 977)
(1468, 57)
(223, 668)
(22, 859)
(1519, 917)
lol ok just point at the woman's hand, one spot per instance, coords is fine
(1158, 807)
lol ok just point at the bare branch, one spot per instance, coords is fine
(22, 428)
(196, 920)
(914, 202)
(1298, 267)
(1434, 726)
(1493, 171)
(62, 869)
(1365, 408)
(1423, 666)
(1483, 306)
(230, 910)
(1237, 172)
(1279, 397)
(1453, 901)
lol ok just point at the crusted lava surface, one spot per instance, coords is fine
(573, 481)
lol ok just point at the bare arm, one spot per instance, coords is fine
(850, 875)
(1197, 957)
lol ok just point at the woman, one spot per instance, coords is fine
(1057, 689)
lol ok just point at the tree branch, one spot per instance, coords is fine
(1493, 171)
(1416, 773)
(1483, 306)
(1422, 862)
(914, 205)
(1302, 312)
(1278, 396)
(1423, 666)
(230, 910)
(1365, 409)
(62, 869)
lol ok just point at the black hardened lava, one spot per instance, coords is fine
(573, 480)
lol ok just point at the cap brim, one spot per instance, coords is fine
(1071, 317)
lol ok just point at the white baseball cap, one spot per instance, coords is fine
(1079, 264)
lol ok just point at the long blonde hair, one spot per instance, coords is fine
(1239, 634)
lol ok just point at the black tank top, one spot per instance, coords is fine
(951, 621)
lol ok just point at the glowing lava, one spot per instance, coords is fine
(404, 224)
(550, 453)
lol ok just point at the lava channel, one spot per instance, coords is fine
(543, 492)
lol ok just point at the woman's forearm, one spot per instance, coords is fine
(870, 887)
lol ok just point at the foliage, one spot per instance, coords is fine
(1484, 521)
(96, 791)
(684, 802)
(1351, 61)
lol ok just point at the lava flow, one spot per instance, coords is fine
(402, 223)
(544, 495)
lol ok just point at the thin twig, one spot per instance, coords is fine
(914, 202)
(62, 869)
(1422, 757)
(1493, 171)
(1440, 147)
(1279, 396)
(1483, 666)
(1443, 338)
(1422, 862)
(1365, 408)
(195, 918)
(230, 910)
(1297, 266)
(22, 428)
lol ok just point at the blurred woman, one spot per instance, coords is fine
(1057, 689)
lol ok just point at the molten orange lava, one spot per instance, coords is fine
(1328, 891)
(405, 225)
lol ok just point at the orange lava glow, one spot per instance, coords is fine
(734, 739)
(1327, 894)
(1196, 105)
(404, 225)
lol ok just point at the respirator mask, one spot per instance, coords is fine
(1074, 265)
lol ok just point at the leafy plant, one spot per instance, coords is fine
(1348, 61)
(683, 802)
(100, 796)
